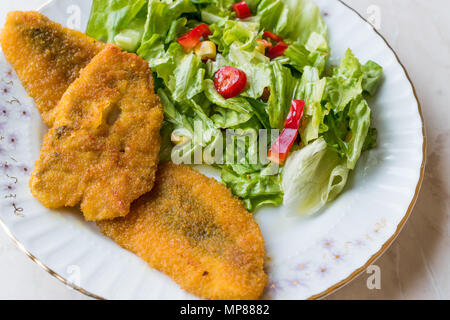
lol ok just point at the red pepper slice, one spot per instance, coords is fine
(191, 39)
(280, 149)
(202, 30)
(272, 36)
(277, 51)
(242, 10)
(230, 81)
(295, 115)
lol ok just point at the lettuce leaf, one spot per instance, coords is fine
(371, 140)
(238, 108)
(253, 5)
(311, 89)
(312, 177)
(152, 49)
(255, 189)
(300, 57)
(182, 72)
(269, 12)
(227, 32)
(346, 83)
(221, 4)
(108, 17)
(372, 77)
(162, 26)
(177, 28)
(129, 38)
(187, 79)
(359, 114)
(256, 67)
(282, 90)
(162, 14)
(296, 20)
(349, 129)
(213, 14)
(252, 178)
(254, 64)
(193, 124)
(260, 110)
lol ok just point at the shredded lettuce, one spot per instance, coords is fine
(300, 57)
(255, 189)
(237, 104)
(177, 27)
(228, 32)
(256, 67)
(372, 77)
(359, 114)
(108, 17)
(312, 177)
(296, 20)
(254, 64)
(335, 128)
(349, 117)
(346, 83)
(130, 38)
(193, 124)
(161, 15)
(311, 89)
(183, 73)
(282, 91)
(213, 14)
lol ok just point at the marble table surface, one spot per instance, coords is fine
(417, 265)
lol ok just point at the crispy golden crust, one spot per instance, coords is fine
(104, 145)
(46, 56)
(193, 229)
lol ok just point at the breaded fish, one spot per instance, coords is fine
(46, 56)
(103, 148)
(193, 229)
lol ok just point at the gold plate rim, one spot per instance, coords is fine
(341, 283)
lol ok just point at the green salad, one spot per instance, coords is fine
(256, 69)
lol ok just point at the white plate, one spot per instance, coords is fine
(308, 257)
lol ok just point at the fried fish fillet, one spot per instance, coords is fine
(103, 148)
(46, 56)
(193, 229)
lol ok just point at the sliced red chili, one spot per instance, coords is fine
(229, 81)
(279, 151)
(277, 51)
(295, 114)
(202, 30)
(191, 39)
(187, 42)
(272, 36)
(242, 10)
